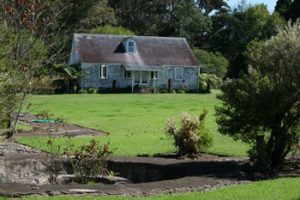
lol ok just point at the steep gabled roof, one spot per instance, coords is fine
(97, 48)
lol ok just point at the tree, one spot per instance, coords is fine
(108, 29)
(293, 12)
(233, 31)
(282, 6)
(267, 101)
(214, 63)
(26, 26)
(163, 18)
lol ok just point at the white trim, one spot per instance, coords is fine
(101, 69)
(155, 75)
(127, 46)
(138, 77)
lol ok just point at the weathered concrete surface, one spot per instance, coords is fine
(56, 129)
(23, 172)
(186, 184)
(21, 164)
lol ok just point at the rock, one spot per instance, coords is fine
(114, 179)
(65, 178)
(82, 191)
(53, 193)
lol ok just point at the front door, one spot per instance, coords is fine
(141, 78)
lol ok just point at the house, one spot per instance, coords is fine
(134, 62)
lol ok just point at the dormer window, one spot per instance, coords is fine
(130, 46)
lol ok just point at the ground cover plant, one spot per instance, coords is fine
(136, 122)
(278, 189)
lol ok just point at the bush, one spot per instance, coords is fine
(90, 162)
(192, 137)
(208, 81)
(83, 91)
(92, 91)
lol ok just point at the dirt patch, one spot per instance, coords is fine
(57, 129)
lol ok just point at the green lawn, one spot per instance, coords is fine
(135, 122)
(279, 189)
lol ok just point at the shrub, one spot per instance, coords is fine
(82, 91)
(92, 90)
(192, 137)
(208, 81)
(90, 161)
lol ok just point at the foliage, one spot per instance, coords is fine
(54, 159)
(89, 161)
(192, 137)
(209, 81)
(293, 12)
(282, 7)
(233, 31)
(92, 91)
(108, 29)
(211, 62)
(164, 18)
(25, 28)
(266, 102)
(83, 91)
(212, 5)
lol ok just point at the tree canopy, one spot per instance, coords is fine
(267, 101)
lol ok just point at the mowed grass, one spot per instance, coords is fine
(279, 189)
(136, 122)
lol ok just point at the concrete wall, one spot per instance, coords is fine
(116, 72)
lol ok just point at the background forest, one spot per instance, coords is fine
(217, 33)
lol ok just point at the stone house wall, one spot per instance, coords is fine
(117, 72)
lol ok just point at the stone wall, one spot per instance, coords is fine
(116, 72)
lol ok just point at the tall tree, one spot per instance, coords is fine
(266, 102)
(282, 6)
(233, 31)
(162, 18)
(293, 12)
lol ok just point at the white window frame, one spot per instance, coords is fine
(154, 75)
(128, 47)
(101, 70)
(138, 77)
(177, 69)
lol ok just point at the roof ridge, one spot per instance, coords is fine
(128, 36)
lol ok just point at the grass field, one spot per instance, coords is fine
(279, 189)
(135, 122)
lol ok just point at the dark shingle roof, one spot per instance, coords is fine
(96, 48)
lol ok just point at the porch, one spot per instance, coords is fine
(143, 78)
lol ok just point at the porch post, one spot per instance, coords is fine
(132, 82)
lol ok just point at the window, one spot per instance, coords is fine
(127, 74)
(103, 71)
(144, 78)
(137, 77)
(130, 46)
(141, 78)
(178, 73)
(154, 75)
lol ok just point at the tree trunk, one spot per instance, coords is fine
(278, 153)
